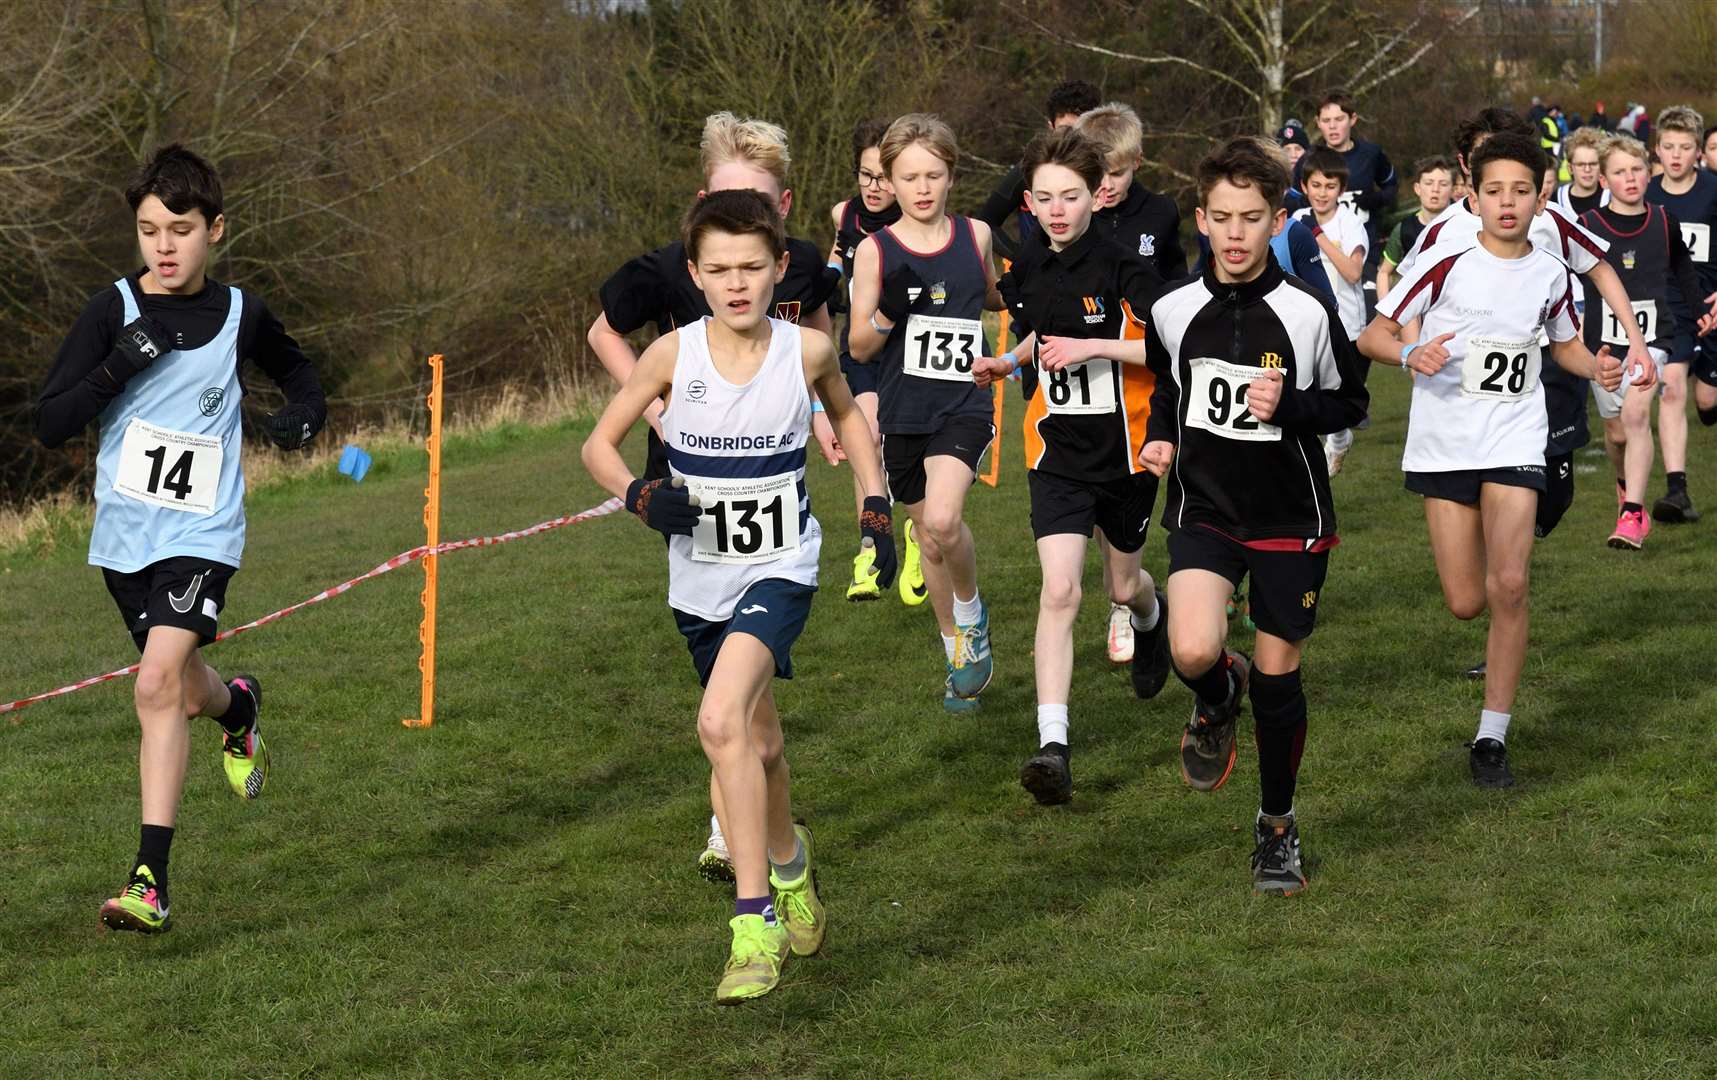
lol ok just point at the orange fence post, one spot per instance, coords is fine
(432, 523)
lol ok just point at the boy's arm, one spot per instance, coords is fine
(1349, 264)
(1698, 320)
(1165, 398)
(275, 351)
(1171, 260)
(651, 378)
(876, 520)
(1336, 398)
(81, 383)
(1603, 277)
(1307, 266)
(632, 297)
(1381, 197)
(863, 339)
(1007, 197)
(986, 254)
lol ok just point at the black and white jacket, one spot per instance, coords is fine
(1264, 484)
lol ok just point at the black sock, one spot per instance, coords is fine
(1214, 687)
(1677, 482)
(153, 850)
(1279, 715)
(1707, 416)
(239, 713)
(1632, 508)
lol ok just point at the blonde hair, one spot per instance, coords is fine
(1684, 118)
(1620, 144)
(1586, 138)
(1116, 130)
(926, 128)
(727, 138)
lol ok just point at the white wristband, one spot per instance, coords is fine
(883, 330)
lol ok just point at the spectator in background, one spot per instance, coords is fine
(1600, 119)
(1709, 144)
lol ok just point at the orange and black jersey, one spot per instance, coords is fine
(1086, 421)
(1263, 484)
(657, 288)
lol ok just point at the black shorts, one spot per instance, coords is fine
(1286, 585)
(183, 592)
(1681, 348)
(1558, 494)
(963, 437)
(861, 378)
(655, 456)
(1462, 485)
(773, 611)
(1121, 507)
(1705, 360)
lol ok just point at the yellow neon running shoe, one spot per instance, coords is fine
(912, 589)
(754, 963)
(864, 586)
(244, 755)
(798, 906)
(141, 906)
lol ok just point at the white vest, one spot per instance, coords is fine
(741, 450)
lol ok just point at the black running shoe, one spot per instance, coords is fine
(1047, 776)
(1151, 653)
(1476, 673)
(1674, 508)
(1489, 760)
(1207, 745)
(1276, 866)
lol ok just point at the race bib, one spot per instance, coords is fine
(749, 520)
(1612, 331)
(170, 469)
(1350, 199)
(1087, 388)
(1697, 237)
(940, 348)
(1218, 401)
(1500, 370)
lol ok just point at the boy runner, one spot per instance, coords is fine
(1342, 239)
(155, 358)
(1647, 253)
(919, 289)
(1585, 190)
(656, 288)
(1251, 367)
(1079, 302)
(1433, 183)
(854, 219)
(1065, 105)
(743, 547)
(1371, 183)
(1691, 195)
(1477, 427)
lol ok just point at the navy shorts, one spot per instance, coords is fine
(183, 592)
(861, 378)
(1462, 485)
(773, 611)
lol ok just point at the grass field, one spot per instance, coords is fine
(511, 893)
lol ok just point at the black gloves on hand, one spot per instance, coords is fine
(897, 301)
(142, 341)
(291, 427)
(665, 507)
(876, 524)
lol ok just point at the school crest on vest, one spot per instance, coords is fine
(1147, 244)
(788, 310)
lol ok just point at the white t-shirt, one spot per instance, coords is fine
(1485, 408)
(1347, 232)
(1554, 229)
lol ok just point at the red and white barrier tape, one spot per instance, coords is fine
(402, 559)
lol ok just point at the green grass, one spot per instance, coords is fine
(511, 893)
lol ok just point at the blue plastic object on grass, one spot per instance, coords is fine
(354, 462)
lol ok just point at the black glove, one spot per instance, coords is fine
(876, 524)
(142, 341)
(665, 507)
(291, 427)
(897, 302)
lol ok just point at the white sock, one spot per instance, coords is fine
(1261, 815)
(967, 612)
(1341, 440)
(948, 646)
(1051, 724)
(1492, 725)
(714, 825)
(1148, 623)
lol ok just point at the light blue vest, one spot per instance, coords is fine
(159, 493)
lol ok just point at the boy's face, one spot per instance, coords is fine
(1239, 224)
(1626, 176)
(1336, 124)
(1062, 203)
(1679, 152)
(1711, 151)
(744, 176)
(1508, 197)
(1117, 178)
(1065, 120)
(873, 184)
(1583, 164)
(1295, 152)
(1434, 189)
(920, 181)
(738, 275)
(1322, 192)
(176, 247)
